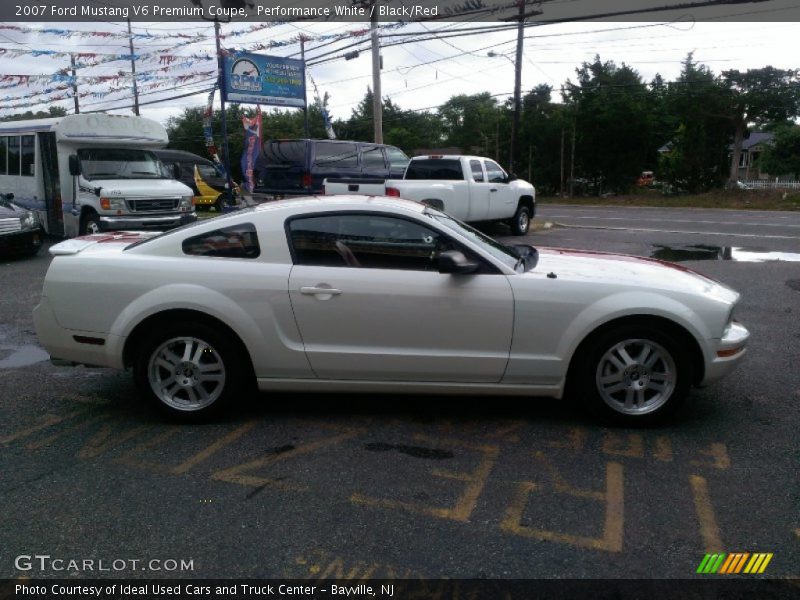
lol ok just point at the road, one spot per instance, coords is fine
(400, 486)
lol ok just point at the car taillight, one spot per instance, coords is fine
(392, 192)
(306, 180)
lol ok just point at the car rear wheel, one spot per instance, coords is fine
(521, 221)
(635, 375)
(190, 370)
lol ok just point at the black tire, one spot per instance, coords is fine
(221, 350)
(521, 221)
(220, 203)
(90, 223)
(593, 375)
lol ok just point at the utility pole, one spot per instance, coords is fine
(305, 95)
(74, 84)
(561, 179)
(377, 103)
(133, 72)
(572, 163)
(512, 162)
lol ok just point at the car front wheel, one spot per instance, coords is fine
(521, 221)
(190, 371)
(634, 375)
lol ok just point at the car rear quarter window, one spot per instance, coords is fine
(289, 152)
(397, 158)
(236, 241)
(336, 155)
(435, 168)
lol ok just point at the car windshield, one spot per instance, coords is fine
(119, 163)
(508, 256)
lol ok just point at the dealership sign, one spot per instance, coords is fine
(258, 79)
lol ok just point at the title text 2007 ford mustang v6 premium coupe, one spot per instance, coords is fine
(378, 294)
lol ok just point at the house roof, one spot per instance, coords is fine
(756, 138)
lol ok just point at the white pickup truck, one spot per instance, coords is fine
(469, 188)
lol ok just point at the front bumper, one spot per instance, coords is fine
(728, 352)
(157, 222)
(26, 241)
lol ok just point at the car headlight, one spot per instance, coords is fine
(112, 203)
(30, 220)
(186, 201)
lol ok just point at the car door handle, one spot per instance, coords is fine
(319, 291)
(493, 190)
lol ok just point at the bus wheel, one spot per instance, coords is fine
(90, 224)
(219, 203)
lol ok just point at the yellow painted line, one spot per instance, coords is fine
(612, 538)
(77, 427)
(575, 440)
(238, 474)
(705, 514)
(719, 457)
(663, 450)
(475, 483)
(132, 459)
(764, 564)
(613, 444)
(49, 421)
(108, 437)
(213, 448)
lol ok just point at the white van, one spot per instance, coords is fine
(90, 173)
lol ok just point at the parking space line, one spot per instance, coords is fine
(663, 449)
(575, 440)
(613, 523)
(467, 500)
(213, 448)
(72, 429)
(709, 530)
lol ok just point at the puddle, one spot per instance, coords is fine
(415, 451)
(23, 356)
(732, 253)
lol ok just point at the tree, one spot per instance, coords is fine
(699, 130)
(783, 155)
(470, 121)
(759, 96)
(53, 111)
(612, 122)
(541, 128)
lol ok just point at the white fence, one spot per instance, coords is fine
(761, 184)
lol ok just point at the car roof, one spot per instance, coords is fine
(170, 153)
(341, 202)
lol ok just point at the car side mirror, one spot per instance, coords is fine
(511, 177)
(455, 263)
(176, 171)
(74, 165)
(8, 196)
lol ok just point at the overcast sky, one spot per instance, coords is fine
(551, 54)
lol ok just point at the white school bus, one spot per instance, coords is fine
(89, 173)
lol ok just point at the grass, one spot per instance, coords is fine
(732, 199)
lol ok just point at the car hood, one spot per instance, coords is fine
(629, 271)
(100, 243)
(8, 210)
(139, 187)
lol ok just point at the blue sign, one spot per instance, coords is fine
(257, 79)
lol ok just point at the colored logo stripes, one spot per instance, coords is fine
(736, 562)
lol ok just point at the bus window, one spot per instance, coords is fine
(3, 155)
(13, 155)
(28, 155)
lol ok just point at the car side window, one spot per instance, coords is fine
(495, 173)
(397, 158)
(336, 155)
(236, 241)
(372, 158)
(477, 170)
(366, 241)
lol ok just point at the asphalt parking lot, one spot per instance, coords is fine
(323, 486)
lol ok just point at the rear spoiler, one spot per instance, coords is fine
(77, 245)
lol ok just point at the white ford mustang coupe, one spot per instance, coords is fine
(358, 294)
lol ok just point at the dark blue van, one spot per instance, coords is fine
(298, 167)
